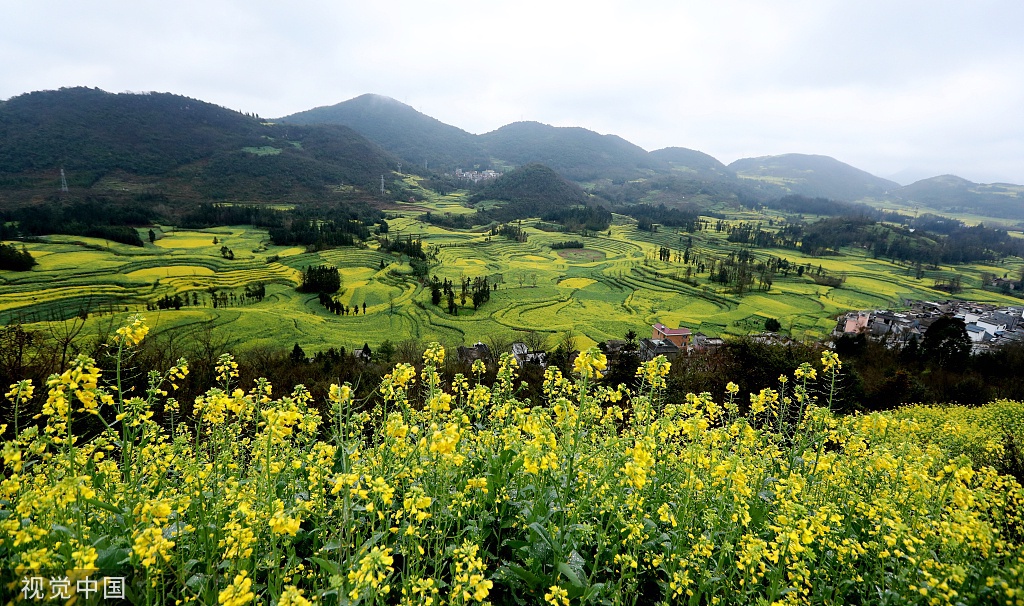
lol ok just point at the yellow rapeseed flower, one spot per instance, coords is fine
(556, 596)
(282, 524)
(434, 354)
(292, 596)
(590, 364)
(830, 361)
(133, 332)
(239, 592)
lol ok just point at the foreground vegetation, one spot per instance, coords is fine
(442, 490)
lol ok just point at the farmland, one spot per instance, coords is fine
(614, 284)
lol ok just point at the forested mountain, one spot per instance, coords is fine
(420, 141)
(948, 193)
(181, 148)
(575, 153)
(807, 175)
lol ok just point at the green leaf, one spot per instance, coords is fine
(526, 576)
(542, 533)
(569, 574)
(328, 565)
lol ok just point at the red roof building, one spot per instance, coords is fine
(680, 337)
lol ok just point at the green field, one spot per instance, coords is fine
(611, 286)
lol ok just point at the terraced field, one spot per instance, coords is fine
(599, 292)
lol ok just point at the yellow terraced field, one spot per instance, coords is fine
(170, 270)
(612, 285)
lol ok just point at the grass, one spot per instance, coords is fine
(265, 150)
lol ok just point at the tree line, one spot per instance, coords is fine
(939, 369)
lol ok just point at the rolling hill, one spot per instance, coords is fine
(575, 153)
(951, 194)
(532, 185)
(693, 163)
(809, 175)
(185, 149)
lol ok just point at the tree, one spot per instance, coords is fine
(623, 370)
(772, 325)
(14, 260)
(534, 340)
(386, 352)
(320, 278)
(946, 343)
(298, 356)
(152, 236)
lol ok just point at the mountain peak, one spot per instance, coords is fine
(416, 138)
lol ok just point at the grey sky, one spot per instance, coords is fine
(927, 86)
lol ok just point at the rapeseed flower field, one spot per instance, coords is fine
(447, 491)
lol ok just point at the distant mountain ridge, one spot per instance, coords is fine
(189, 149)
(576, 153)
(812, 175)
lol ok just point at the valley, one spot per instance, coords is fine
(615, 284)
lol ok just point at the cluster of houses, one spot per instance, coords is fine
(476, 176)
(669, 342)
(988, 325)
(521, 351)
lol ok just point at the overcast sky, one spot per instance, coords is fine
(905, 88)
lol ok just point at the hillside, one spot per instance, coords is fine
(575, 153)
(951, 194)
(808, 175)
(693, 163)
(185, 149)
(530, 185)
(398, 128)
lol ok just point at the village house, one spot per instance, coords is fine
(680, 337)
(702, 342)
(652, 348)
(468, 355)
(987, 325)
(524, 356)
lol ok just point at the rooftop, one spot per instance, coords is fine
(671, 331)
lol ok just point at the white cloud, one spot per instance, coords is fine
(881, 85)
